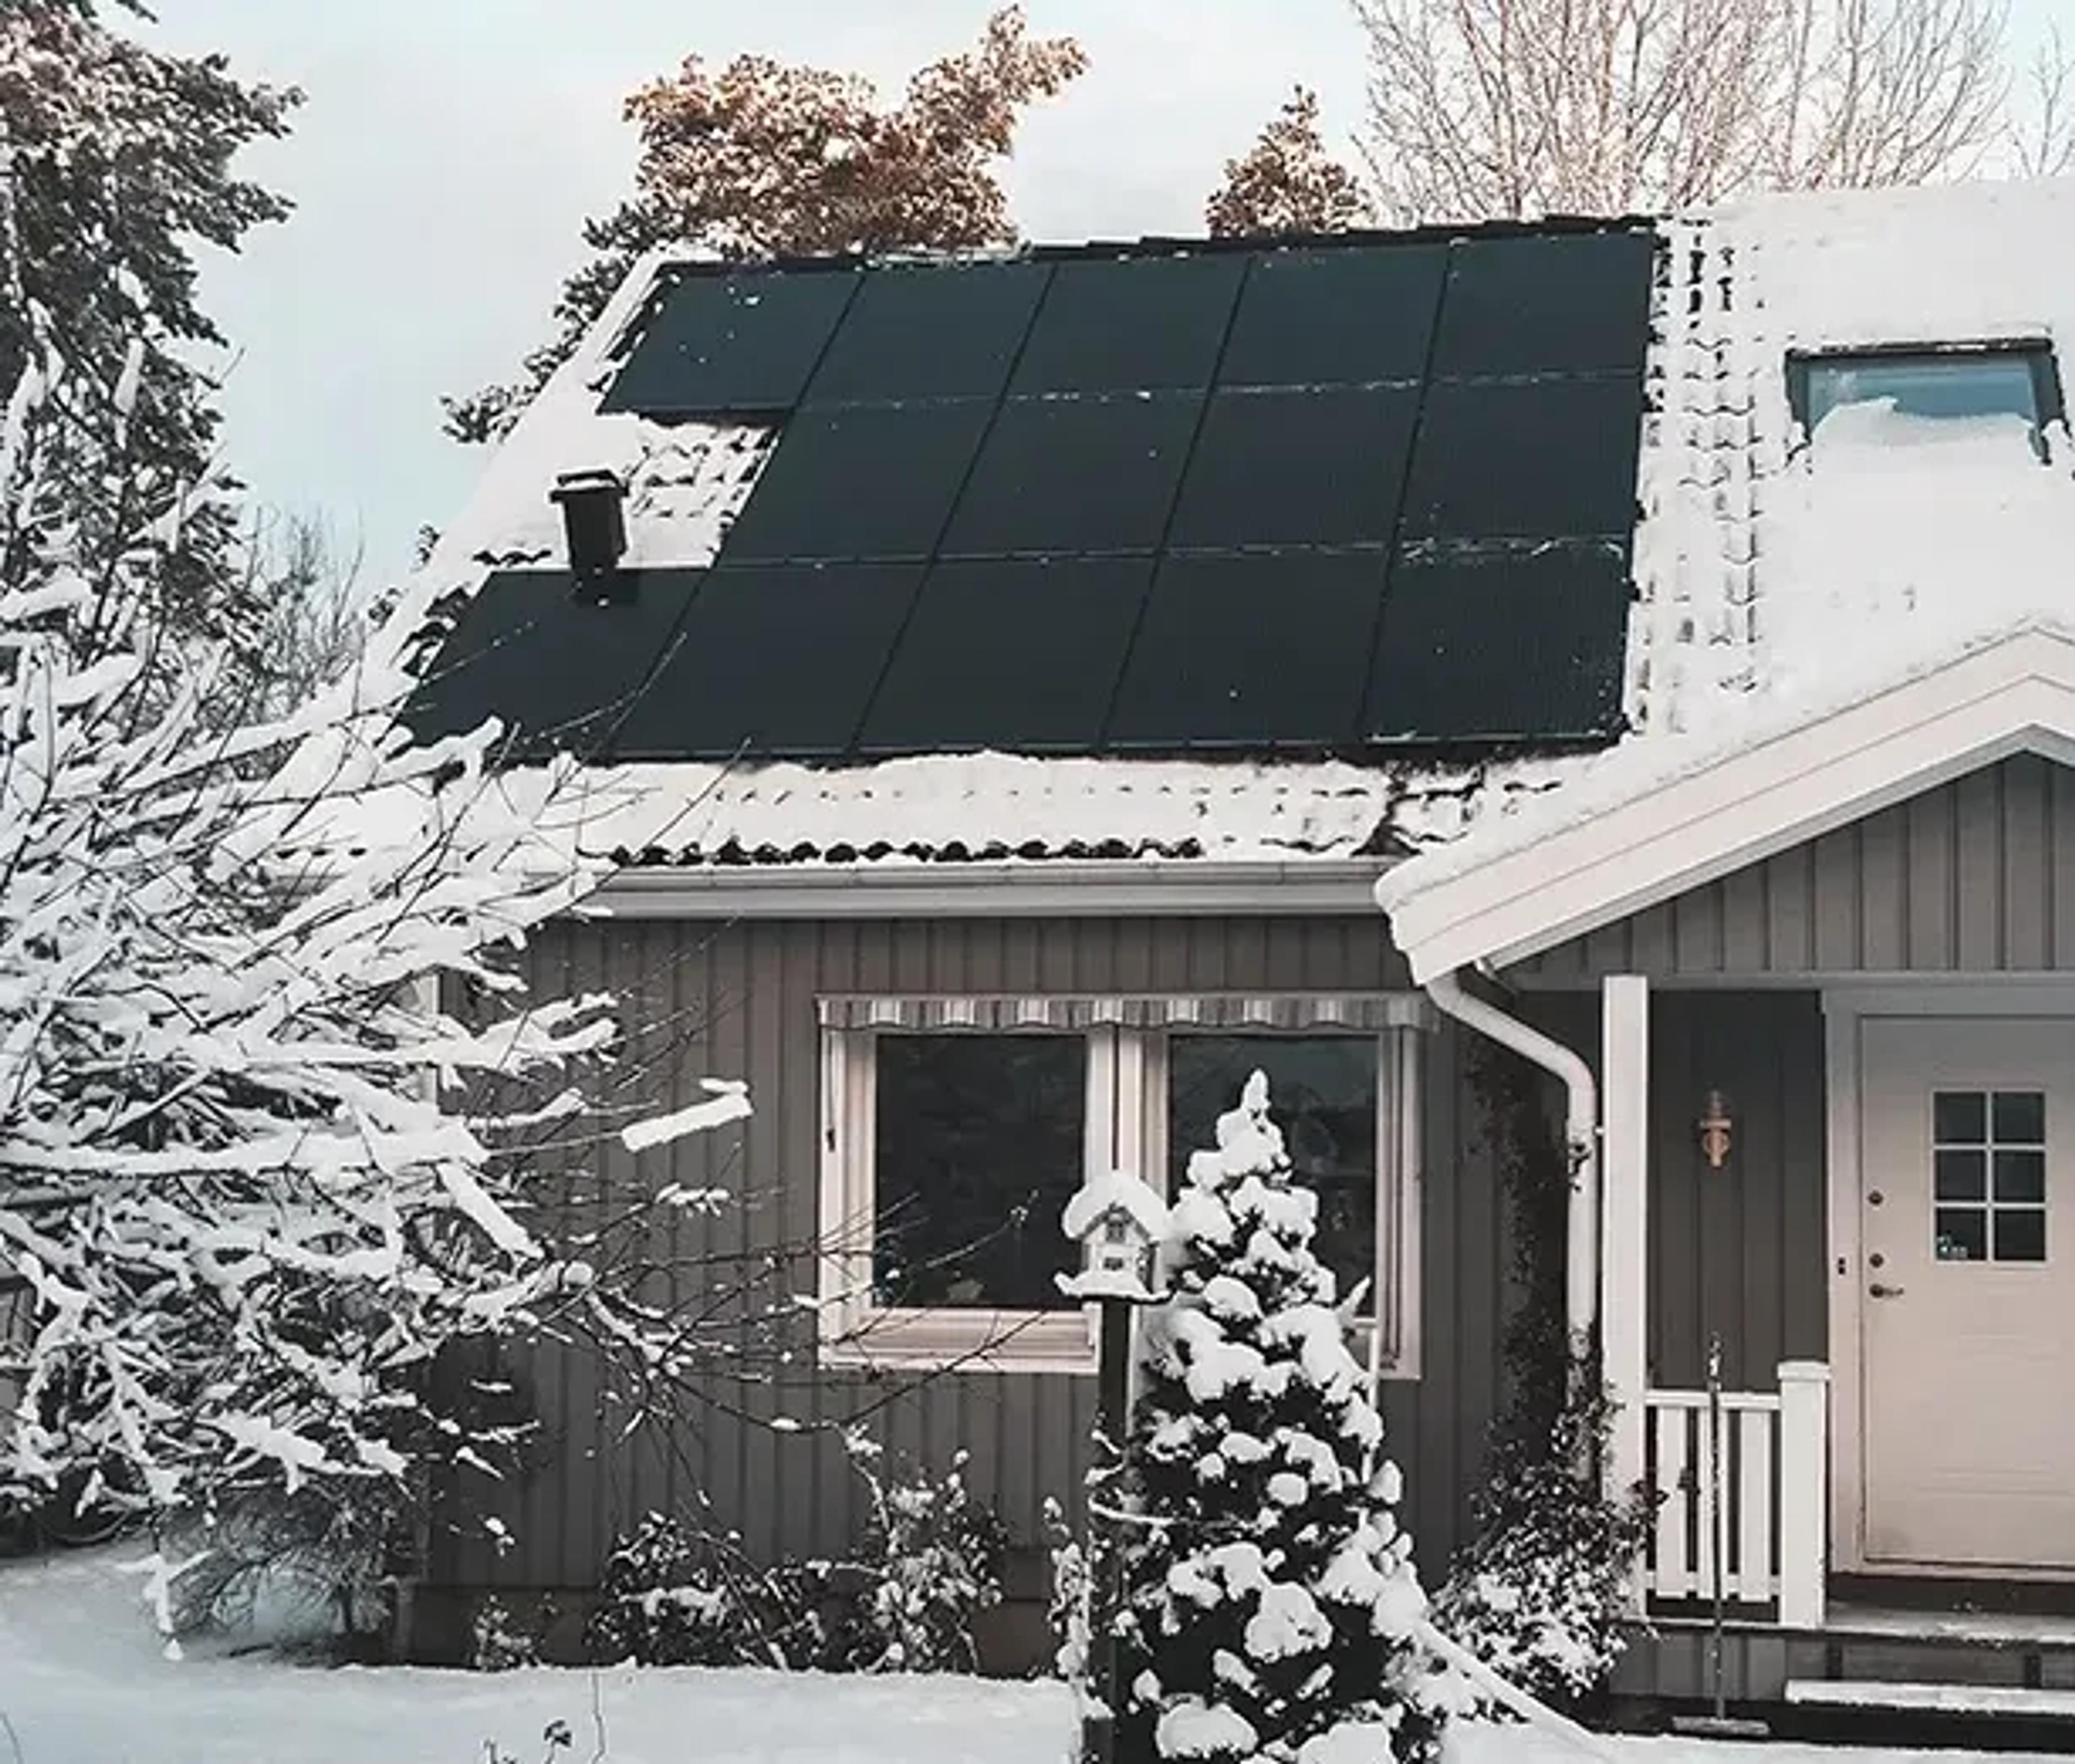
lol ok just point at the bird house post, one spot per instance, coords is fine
(1120, 1224)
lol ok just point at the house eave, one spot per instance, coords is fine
(1036, 888)
(2014, 695)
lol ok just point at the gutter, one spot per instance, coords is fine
(1581, 1281)
(1064, 888)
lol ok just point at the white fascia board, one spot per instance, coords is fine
(1032, 888)
(2017, 696)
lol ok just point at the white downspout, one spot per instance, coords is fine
(1581, 1284)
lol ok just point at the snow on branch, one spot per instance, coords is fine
(247, 1206)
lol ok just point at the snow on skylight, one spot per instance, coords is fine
(1777, 565)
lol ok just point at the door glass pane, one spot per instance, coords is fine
(978, 1147)
(1960, 1117)
(1981, 1134)
(2020, 1117)
(1962, 1234)
(1322, 1094)
(2020, 1175)
(2021, 1234)
(1961, 1174)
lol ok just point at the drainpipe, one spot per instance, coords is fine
(1581, 1284)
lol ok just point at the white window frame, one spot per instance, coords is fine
(1127, 1037)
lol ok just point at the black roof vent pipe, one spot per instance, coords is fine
(594, 522)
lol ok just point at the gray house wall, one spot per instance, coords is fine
(739, 1001)
(1739, 1249)
(1976, 876)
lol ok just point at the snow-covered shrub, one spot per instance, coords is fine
(934, 1556)
(1066, 1610)
(308, 1567)
(242, 1171)
(679, 1594)
(1538, 1593)
(498, 1642)
(1270, 1593)
(672, 1596)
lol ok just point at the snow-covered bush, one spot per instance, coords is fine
(1269, 1592)
(678, 1594)
(498, 1642)
(1066, 1610)
(1539, 1594)
(674, 1595)
(934, 1556)
(242, 1170)
(311, 1566)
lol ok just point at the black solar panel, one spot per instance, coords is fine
(743, 344)
(946, 331)
(1257, 650)
(1010, 653)
(1525, 459)
(1331, 317)
(860, 481)
(1119, 502)
(1571, 302)
(1295, 468)
(558, 673)
(1500, 647)
(776, 661)
(1075, 474)
(1125, 324)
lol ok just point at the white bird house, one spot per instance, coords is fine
(1119, 1224)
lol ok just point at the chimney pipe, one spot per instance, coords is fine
(595, 527)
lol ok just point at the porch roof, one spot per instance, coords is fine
(1640, 833)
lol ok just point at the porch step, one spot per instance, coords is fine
(1869, 1695)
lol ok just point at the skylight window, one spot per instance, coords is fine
(1932, 385)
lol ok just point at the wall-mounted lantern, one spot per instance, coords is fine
(1715, 1127)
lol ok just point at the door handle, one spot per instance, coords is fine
(1877, 1291)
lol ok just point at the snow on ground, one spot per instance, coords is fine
(81, 1682)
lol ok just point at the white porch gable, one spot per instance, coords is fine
(1659, 818)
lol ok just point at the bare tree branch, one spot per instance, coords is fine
(1482, 109)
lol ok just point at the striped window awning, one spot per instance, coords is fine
(919, 1012)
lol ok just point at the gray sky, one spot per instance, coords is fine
(449, 150)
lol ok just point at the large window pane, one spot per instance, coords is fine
(1322, 1094)
(978, 1145)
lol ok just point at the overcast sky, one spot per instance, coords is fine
(449, 150)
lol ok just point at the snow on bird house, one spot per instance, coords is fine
(1119, 1222)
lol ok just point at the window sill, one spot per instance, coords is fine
(979, 1341)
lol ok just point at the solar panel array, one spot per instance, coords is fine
(1351, 496)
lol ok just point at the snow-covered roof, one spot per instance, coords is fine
(687, 481)
(1782, 581)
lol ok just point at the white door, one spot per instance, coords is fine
(1967, 1292)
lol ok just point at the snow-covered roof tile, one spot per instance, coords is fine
(1779, 579)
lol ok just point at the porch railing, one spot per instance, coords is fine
(1774, 1489)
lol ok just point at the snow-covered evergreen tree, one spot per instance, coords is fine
(1270, 1595)
(116, 158)
(226, 1177)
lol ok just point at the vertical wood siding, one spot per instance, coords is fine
(739, 1001)
(1739, 1249)
(1976, 876)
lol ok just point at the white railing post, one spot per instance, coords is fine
(1804, 1422)
(1624, 1232)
